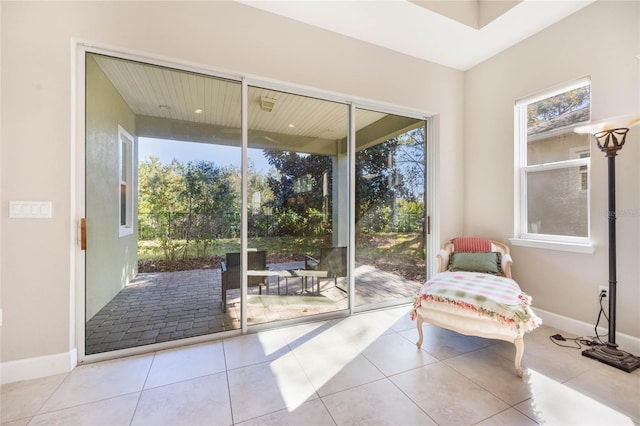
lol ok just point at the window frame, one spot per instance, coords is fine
(522, 236)
(126, 169)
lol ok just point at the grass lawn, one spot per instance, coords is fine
(399, 253)
(284, 245)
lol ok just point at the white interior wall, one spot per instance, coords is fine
(1, 312)
(37, 150)
(600, 41)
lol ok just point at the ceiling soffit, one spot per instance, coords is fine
(459, 34)
(472, 13)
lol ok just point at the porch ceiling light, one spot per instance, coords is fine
(267, 104)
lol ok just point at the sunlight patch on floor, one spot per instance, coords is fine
(325, 355)
(278, 339)
(556, 403)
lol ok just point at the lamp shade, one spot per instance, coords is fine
(620, 122)
(611, 141)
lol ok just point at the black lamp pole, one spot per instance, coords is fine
(613, 282)
(610, 142)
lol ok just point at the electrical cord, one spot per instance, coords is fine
(578, 342)
(558, 337)
(600, 314)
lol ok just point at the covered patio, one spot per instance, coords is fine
(166, 306)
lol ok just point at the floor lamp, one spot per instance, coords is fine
(610, 139)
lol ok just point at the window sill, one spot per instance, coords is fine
(125, 230)
(554, 245)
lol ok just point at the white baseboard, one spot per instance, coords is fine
(578, 328)
(34, 368)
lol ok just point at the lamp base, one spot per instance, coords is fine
(611, 355)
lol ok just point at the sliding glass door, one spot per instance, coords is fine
(389, 208)
(162, 203)
(169, 201)
(297, 205)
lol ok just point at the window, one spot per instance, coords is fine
(125, 178)
(582, 152)
(553, 165)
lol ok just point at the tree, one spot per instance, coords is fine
(298, 185)
(298, 191)
(181, 203)
(160, 188)
(409, 160)
(375, 180)
(211, 201)
(558, 105)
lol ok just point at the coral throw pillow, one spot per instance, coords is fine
(471, 244)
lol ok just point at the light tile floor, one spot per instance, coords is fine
(362, 370)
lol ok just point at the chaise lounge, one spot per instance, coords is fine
(473, 293)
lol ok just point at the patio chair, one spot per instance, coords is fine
(256, 261)
(332, 259)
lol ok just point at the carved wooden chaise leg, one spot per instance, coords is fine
(519, 342)
(419, 322)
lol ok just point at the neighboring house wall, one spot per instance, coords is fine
(562, 283)
(39, 288)
(111, 259)
(565, 213)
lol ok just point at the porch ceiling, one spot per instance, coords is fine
(179, 105)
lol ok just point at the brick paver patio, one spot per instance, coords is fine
(159, 307)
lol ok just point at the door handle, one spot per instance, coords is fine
(83, 234)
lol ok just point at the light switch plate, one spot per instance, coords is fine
(30, 209)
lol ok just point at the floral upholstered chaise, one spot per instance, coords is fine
(473, 294)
